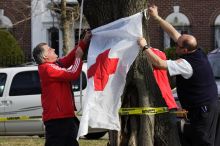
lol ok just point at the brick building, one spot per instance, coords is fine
(198, 17)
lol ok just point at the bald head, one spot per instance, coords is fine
(188, 41)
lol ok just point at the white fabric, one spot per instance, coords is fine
(100, 109)
(180, 67)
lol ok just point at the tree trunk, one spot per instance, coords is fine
(141, 89)
(67, 25)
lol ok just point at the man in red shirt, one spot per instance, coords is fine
(57, 98)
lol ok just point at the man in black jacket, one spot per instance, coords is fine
(196, 87)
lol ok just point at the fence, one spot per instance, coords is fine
(7, 61)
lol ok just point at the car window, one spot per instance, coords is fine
(25, 83)
(76, 83)
(2, 83)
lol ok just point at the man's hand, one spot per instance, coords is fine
(87, 37)
(155, 60)
(153, 11)
(142, 42)
(79, 53)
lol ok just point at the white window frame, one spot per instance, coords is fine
(179, 21)
(217, 32)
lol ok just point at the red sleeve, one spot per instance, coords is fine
(82, 45)
(163, 82)
(56, 73)
(67, 60)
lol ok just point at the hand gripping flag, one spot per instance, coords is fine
(112, 50)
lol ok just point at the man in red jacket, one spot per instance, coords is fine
(57, 98)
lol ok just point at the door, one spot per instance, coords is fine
(3, 78)
(24, 105)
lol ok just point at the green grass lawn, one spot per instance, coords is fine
(35, 141)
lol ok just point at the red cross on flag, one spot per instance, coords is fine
(112, 50)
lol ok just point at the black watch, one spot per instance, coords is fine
(146, 47)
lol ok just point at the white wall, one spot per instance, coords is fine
(41, 21)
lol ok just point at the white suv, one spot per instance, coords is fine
(20, 103)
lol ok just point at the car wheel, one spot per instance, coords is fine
(95, 135)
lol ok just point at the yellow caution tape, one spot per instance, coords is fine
(122, 111)
(148, 111)
(143, 111)
(3, 119)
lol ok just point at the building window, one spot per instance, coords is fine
(217, 36)
(217, 32)
(180, 22)
(53, 34)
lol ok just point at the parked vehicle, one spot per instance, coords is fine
(20, 103)
(214, 59)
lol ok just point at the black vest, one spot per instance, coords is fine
(200, 89)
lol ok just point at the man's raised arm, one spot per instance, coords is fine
(166, 26)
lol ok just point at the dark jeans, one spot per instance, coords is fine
(217, 136)
(61, 132)
(203, 124)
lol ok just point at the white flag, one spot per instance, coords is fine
(112, 50)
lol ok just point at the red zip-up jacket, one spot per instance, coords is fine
(57, 98)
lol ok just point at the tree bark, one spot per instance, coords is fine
(141, 89)
(66, 26)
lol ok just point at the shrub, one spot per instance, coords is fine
(10, 52)
(170, 53)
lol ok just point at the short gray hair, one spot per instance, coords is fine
(38, 53)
